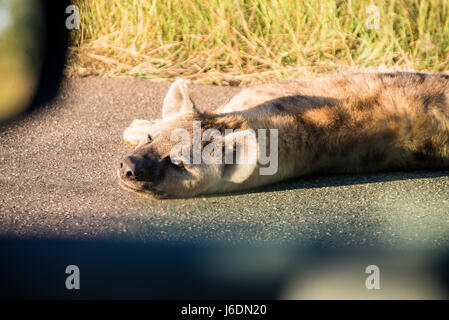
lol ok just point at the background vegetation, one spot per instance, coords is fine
(239, 41)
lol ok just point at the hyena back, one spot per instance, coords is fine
(339, 124)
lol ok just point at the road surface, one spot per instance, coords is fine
(58, 181)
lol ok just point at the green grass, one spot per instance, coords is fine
(240, 41)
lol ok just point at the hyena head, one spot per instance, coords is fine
(165, 163)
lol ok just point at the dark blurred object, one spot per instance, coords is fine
(55, 50)
(36, 269)
(34, 45)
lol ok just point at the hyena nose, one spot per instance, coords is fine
(130, 167)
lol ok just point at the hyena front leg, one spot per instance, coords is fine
(137, 133)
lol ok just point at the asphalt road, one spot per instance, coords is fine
(58, 181)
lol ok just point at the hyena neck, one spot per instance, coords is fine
(288, 135)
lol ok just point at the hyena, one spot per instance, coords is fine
(351, 123)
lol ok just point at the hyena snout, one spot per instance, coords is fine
(133, 167)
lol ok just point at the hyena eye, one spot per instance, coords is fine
(180, 164)
(149, 138)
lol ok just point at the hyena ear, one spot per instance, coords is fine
(137, 133)
(242, 144)
(177, 101)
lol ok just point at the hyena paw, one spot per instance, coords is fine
(137, 132)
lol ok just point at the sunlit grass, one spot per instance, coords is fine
(235, 41)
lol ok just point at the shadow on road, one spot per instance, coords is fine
(325, 181)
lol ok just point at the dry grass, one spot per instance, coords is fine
(240, 41)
